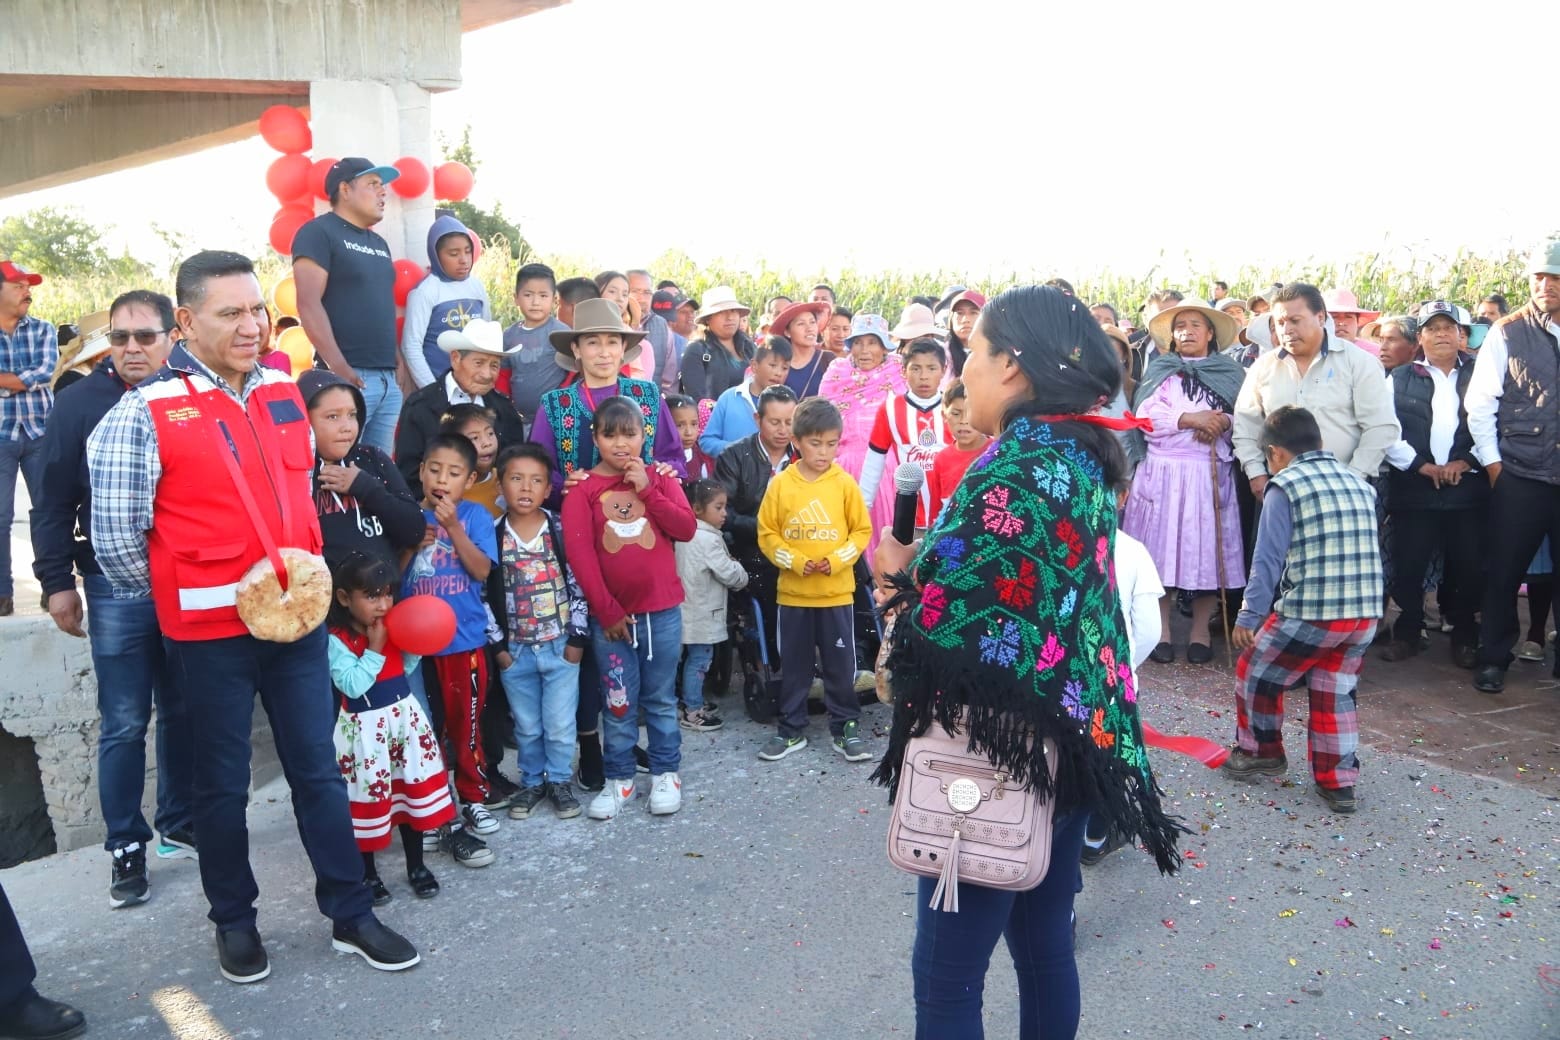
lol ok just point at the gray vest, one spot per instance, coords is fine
(1333, 571)
(1528, 423)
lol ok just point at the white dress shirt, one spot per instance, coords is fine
(1485, 390)
(1443, 420)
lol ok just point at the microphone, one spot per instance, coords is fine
(908, 479)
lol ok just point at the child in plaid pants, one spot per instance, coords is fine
(1316, 546)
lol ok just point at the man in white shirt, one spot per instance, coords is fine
(1513, 407)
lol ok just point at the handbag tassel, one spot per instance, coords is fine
(947, 890)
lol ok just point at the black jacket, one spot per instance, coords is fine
(419, 424)
(744, 469)
(62, 514)
(709, 370)
(378, 513)
(1412, 391)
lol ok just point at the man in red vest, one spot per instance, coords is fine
(168, 519)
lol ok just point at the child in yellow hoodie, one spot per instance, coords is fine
(813, 524)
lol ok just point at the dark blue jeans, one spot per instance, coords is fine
(219, 678)
(132, 673)
(953, 951)
(16, 964)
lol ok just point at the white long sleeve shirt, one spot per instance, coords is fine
(1443, 421)
(1485, 390)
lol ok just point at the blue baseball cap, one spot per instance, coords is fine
(350, 169)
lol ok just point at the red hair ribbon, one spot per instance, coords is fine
(1127, 421)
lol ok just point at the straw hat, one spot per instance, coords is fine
(720, 298)
(1225, 328)
(914, 322)
(91, 338)
(479, 336)
(594, 316)
(783, 320)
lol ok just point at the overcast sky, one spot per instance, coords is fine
(979, 136)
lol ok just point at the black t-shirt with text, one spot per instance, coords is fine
(360, 292)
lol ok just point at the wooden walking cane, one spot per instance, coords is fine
(1218, 548)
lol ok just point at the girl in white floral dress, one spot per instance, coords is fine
(385, 746)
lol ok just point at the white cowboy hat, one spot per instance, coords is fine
(92, 337)
(1225, 328)
(915, 321)
(480, 336)
(720, 298)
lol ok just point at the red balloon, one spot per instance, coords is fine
(288, 177)
(285, 225)
(317, 177)
(407, 275)
(304, 198)
(285, 129)
(452, 182)
(421, 625)
(413, 180)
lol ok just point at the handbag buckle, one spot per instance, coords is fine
(964, 795)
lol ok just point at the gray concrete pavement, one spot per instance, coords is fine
(766, 909)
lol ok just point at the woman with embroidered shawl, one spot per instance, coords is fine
(1011, 630)
(1188, 392)
(858, 385)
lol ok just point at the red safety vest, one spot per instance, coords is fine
(202, 540)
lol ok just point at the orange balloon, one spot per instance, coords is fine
(294, 342)
(285, 297)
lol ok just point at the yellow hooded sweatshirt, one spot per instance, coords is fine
(802, 520)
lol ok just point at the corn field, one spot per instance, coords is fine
(1393, 285)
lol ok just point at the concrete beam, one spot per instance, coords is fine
(99, 132)
(239, 40)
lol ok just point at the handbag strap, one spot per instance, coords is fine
(217, 428)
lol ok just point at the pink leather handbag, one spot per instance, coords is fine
(959, 818)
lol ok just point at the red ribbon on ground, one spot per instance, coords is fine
(1204, 750)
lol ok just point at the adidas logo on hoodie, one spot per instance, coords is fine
(810, 524)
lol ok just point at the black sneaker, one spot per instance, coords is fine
(1490, 678)
(523, 804)
(501, 793)
(179, 844)
(469, 850)
(1096, 848)
(563, 801)
(241, 956)
(381, 947)
(128, 883)
(641, 759)
(39, 1018)
(377, 889)
(1339, 799)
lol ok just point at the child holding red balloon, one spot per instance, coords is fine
(385, 746)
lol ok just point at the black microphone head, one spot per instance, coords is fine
(908, 478)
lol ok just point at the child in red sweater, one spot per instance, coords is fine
(619, 524)
(952, 461)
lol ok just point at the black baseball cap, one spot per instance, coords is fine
(350, 169)
(666, 302)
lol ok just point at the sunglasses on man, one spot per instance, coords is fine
(143, 337)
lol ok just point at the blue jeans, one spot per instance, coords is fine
(640, 672)
(696, 665)
(218, 678)
(543, 691)
(953, 951)
(24, 456)
(132, 673)
(382, 401)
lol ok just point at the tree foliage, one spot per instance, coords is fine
(59, 243)
(493, 228)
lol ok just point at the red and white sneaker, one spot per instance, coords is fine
(611, 800)
(665, 794)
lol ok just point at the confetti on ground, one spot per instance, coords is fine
(1288, 912)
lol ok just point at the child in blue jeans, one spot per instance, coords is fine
(546, 629)
(707, 571)
(619, 524)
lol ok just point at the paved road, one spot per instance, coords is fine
(766, 909)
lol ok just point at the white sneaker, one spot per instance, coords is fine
(665, 794)
(611, 800)
(478, 818)
(1530, 651)
(432, 840)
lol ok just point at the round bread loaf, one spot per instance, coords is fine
(285, 617)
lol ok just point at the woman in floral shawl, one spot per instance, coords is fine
(858, 387)
(1012, 631)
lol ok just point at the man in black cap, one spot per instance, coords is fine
(346, 291)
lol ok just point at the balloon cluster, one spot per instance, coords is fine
(299, 185)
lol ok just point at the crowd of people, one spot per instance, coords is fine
(586, 490)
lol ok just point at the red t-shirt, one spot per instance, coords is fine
(945, 476)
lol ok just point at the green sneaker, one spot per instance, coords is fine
(851, 745)
(779, 746)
